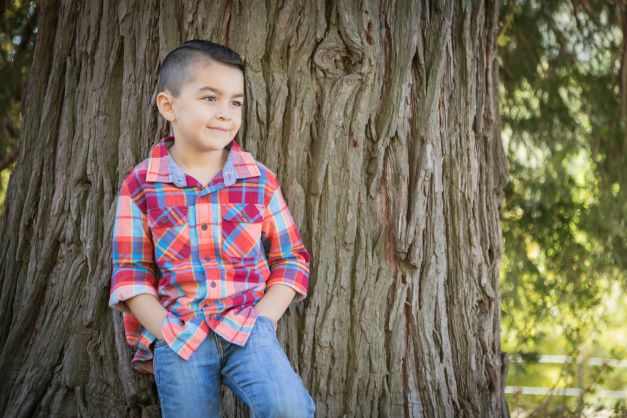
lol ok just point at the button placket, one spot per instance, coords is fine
(212, 288)
(203, 227)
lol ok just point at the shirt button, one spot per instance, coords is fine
(207, 258)
(164, 220)
(213, 284)
(204, 227)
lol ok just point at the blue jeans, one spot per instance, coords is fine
(259, 373)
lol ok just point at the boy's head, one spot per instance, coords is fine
(201, 93)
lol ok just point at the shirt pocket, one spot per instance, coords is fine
(170, 233)
(241, 229)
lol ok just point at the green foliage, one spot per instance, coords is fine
(564, 209)
(4, 183)
(17, 43)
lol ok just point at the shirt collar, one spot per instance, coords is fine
(162, 167)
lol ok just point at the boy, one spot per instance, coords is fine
(202, 235)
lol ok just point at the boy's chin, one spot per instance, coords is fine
(212, 144)
(219, 137)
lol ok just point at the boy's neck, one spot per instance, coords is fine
(192, 161)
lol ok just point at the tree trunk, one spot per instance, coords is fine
(381, 121)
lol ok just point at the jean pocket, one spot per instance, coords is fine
(160, 343)
(267, 322)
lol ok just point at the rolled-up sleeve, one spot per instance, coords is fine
(287, 256)
(132, 256)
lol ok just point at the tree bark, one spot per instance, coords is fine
(381, 121)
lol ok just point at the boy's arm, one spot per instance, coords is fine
(133, 263)
(149, 312)
(288, 259)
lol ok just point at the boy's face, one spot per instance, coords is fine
(208, 112)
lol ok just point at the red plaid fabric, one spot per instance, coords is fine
(208, 253)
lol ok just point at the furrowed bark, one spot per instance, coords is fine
(381, 120)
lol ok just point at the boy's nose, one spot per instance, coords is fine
(223, 116)
(223, 112)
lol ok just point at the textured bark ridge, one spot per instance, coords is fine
(381, 121)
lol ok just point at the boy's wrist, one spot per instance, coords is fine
(274, 302)
(268, 315)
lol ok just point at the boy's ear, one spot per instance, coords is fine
(165, 106)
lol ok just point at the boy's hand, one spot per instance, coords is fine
(149, 312)
(274, 303)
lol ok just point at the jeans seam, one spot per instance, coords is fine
(250, 403)
(155, 371)
(265, 366)
(294, 372)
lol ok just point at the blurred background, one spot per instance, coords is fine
(563, 102)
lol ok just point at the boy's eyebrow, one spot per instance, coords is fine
(218, 91)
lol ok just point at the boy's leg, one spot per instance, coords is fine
(261, 375)
(188, 389)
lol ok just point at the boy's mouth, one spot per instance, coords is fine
(219, 129)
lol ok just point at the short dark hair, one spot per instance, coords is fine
(177, 66)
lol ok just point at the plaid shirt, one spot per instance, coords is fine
(207, 253)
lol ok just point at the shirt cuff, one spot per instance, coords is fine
(171, 327)
(119, 295)
(298, 286)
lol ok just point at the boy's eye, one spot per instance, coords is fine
(239, 104)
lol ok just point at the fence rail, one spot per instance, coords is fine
(529, 390)
(560, 359)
